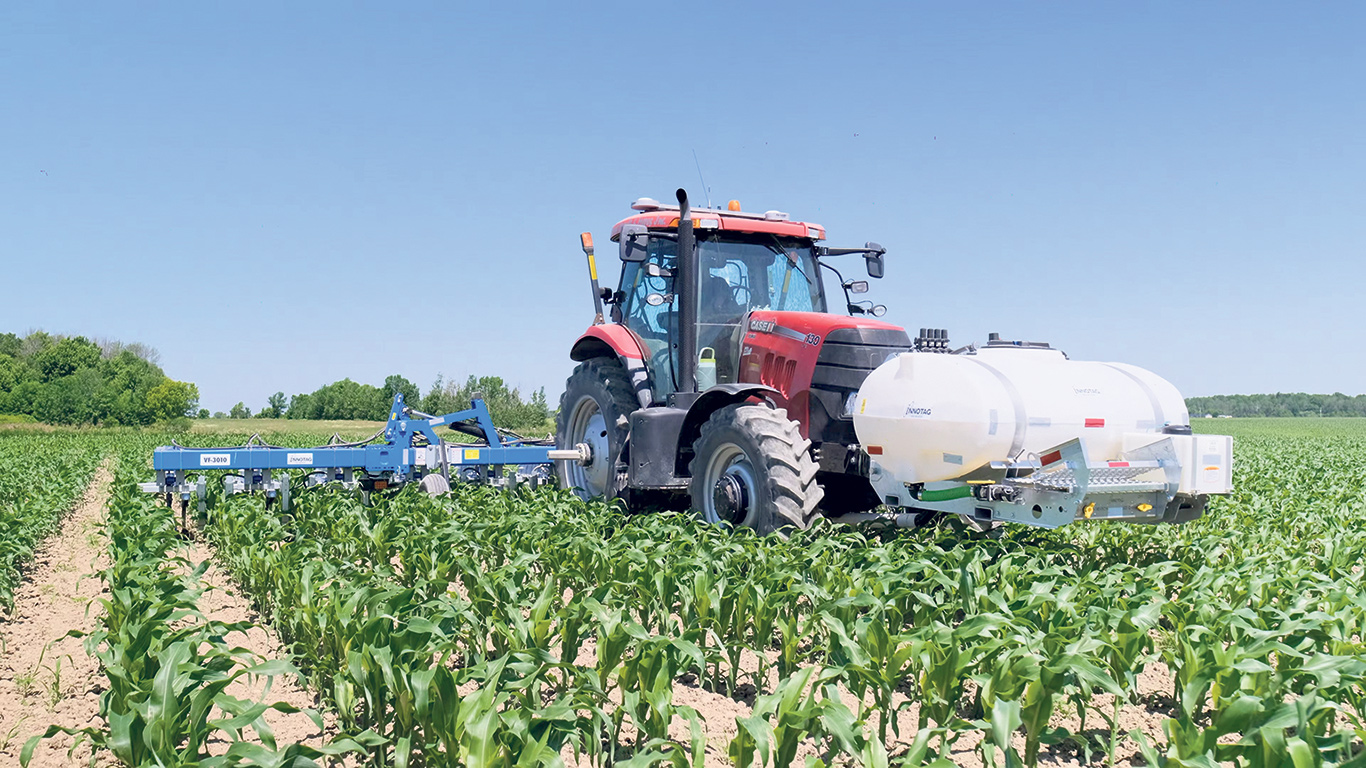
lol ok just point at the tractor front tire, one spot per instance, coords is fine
(752, 467)
(595, 410)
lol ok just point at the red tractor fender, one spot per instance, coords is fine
(613, 340)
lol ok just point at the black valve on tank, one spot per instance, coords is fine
(932, 340)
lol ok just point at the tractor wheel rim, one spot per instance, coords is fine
(589, 427)
(731, 487)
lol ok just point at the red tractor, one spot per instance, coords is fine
(720, 373)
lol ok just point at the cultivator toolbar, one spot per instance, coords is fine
(408, 449)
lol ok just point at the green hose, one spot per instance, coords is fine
(948, 494)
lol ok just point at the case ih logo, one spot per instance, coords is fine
(762, 326)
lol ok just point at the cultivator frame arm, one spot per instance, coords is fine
(405, 450)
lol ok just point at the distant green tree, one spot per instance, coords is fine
(219, 415)
(302, 406)
(24, 397)
(12, 371)
(396, 384)
(70, 399)
(347, 399)
(202, 414)
(505, 404)
(275, 406)
(36, 342)
(128, 379)
(1279, 404)
(172, 400)
(11, 345)
(66, 357)
(240, 411)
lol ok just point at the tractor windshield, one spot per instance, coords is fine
(761, 273)
(739, 276)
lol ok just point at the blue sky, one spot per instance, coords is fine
(277, 196)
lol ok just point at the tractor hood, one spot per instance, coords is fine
(812, 328)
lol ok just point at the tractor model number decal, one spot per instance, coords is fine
(770, 326)
(215, 459)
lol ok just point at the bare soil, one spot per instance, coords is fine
(222, 602)
(46, 677)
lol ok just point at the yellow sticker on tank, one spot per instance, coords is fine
(471, 454)
(863, 405)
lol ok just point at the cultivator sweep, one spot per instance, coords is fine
(407, 450)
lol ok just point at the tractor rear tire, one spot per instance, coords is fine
(595, 409)
(752, 467)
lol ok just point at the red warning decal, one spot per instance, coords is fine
(1051, 458)
(1119, 463)
(875, 450)
(1093, 423)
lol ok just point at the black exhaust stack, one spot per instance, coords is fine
(687, 294)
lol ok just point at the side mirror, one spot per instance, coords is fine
(874, 259)
(632, 242)
(856, 286)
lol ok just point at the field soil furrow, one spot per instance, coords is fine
(221, 601)
(46, 677)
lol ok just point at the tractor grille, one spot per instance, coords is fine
(847, 356)
(850, 354)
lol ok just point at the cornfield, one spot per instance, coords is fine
(530, 628)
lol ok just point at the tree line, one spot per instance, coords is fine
(1279, 404)
(347, 399)
(74, 380)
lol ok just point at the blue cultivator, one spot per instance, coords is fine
(407, 450)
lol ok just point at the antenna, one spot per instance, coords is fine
(706, 190)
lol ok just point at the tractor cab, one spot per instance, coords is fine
(744, 262)
(738, 272)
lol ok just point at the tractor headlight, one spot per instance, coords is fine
(849, 403)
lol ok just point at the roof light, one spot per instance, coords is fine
(815, 233)
(699, 223)
(775, 216)
(645, 204)
(733, 205)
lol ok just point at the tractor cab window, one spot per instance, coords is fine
(648, 307)
(738, 276)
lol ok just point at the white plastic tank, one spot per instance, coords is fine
(925, 417)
